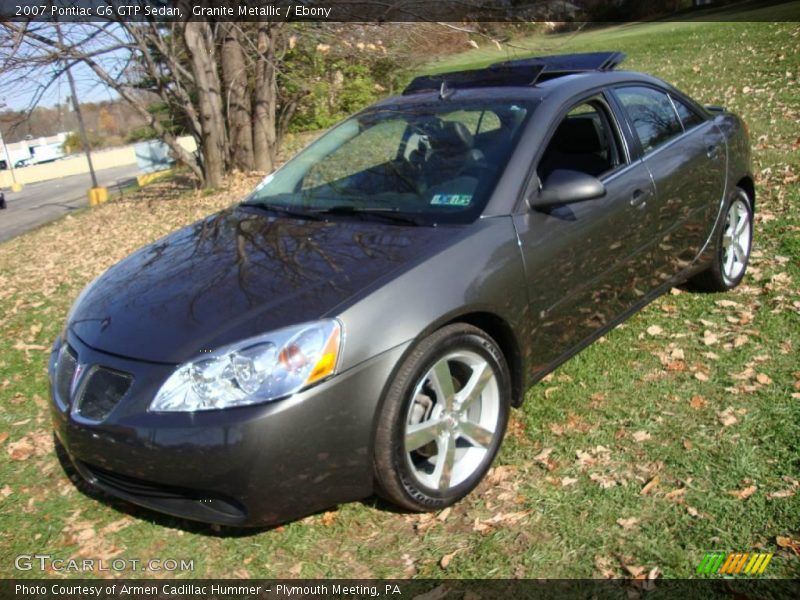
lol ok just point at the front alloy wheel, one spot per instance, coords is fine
(443, 419)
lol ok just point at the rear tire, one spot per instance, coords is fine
(732, 247)
(443, 419)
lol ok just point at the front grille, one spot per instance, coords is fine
(101, 393)
(65, 371)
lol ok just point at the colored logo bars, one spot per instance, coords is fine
(736, 563)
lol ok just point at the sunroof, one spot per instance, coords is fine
(523, 72)
(493, 76)
(571, 63)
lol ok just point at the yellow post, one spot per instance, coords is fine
(97, 196)
(16, 187)
(146, 178)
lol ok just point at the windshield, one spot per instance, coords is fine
(436, 163)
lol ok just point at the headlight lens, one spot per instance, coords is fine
(256, 370)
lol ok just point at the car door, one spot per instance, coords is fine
(585, 261)
(686, 155)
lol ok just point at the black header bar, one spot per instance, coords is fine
(377, 11)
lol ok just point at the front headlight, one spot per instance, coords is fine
(259, 369)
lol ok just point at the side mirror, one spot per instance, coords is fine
(564, 186)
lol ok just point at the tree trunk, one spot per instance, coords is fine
(237, 100)
(213, 141)
(265, 101)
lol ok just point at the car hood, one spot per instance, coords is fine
(236, 274)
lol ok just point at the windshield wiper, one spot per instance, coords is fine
(309, 215)
(388, 213)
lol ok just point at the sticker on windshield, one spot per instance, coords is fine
(452, 199)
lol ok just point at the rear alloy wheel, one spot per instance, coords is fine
(443, 419)
(733, 248)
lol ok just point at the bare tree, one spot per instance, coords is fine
(227, 84)
(195, 69)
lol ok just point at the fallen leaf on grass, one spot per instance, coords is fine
(726, 303)
(117, 526)
(676, 495)
(505, 518)
(763, 379)
(650, 486)
(606, 567)
(296, 569)
(745, 493)
(3, 436)
(567, 481)
(739, 341)
(328, 518)
(746, 374)
(698, 402)
(709, 338)
(21, 450)
(447, 558)
(654, 330)
(501, 473)
(628, 523)
(727, 418)
(20, 345)
(787, 542)
(794, 485)
(780, 494)
(693, 512)
(641, 436)
(634, 570)
(442, 516)
(605, 481)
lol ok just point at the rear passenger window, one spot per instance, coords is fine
(652, 115)
(689, 118)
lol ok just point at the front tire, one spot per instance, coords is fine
(443, 419)
(733, 245)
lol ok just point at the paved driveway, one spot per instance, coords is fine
(42, 202)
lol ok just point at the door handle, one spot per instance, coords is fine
(712, 151)
(639, 198)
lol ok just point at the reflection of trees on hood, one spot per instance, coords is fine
(255, 257)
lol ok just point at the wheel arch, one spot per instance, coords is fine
(749, 187)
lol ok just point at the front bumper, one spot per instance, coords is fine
(246, 466)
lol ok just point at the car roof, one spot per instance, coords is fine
(565, 86)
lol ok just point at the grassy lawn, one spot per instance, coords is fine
(675, 435)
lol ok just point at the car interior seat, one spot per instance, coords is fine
(452, 154)
(576, 145)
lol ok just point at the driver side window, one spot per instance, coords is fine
(584, 141)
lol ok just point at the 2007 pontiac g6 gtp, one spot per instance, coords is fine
(366, 318)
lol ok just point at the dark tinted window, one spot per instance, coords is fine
(689, 118)
(584, 141)
(652, 115)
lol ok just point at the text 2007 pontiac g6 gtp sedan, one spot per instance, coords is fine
(365, 319)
